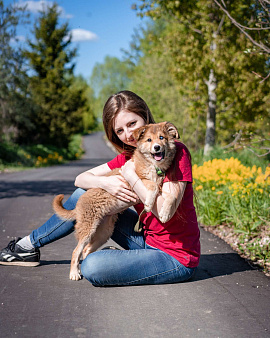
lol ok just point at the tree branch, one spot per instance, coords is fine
(263, 78)
(237, 24)
(234, 142)
(246, 142)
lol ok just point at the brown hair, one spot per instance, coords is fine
(124, 100)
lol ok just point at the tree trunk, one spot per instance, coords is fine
(211, 114)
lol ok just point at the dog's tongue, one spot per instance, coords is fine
(158, 156)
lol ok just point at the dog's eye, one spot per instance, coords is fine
(149, 140)
(161, 137)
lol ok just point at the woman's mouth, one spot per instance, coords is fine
(131, 141)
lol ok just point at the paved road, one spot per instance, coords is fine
(227, 298)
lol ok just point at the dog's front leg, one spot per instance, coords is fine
(168, 208)
(86, 251)
(103, 233)
(75, 261)
(151, 194)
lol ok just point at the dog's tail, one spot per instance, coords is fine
(61, 211)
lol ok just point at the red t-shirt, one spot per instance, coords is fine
(180, 236)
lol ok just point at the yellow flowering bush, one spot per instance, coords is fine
(52, 158)
(230, 170)
(239, 196)
(230, 173)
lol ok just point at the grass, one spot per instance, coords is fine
(245, 156)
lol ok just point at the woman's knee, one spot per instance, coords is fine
(73, 199)
(77, 193)
(93, 268)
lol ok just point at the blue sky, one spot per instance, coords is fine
(99, 27)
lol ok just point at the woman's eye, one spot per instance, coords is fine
(133, 123)
(149, 140)
(119, 131)
(161, 137)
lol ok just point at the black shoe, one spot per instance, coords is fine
(13, 254)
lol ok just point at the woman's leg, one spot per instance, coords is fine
(138, 264)
(25, 252)
(56, 228)
(133, 267)
(124, 233)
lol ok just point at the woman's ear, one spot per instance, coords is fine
(171, 129)
(138, 133)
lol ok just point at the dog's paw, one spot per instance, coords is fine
(75, 275)
(147, 207)
(164, 215)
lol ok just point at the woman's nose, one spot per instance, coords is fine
(128, 134)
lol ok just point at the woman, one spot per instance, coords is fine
(162, 253)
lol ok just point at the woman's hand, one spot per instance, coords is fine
(117, 186)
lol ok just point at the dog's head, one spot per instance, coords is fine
(156, 141)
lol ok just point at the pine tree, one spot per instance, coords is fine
(60, 106)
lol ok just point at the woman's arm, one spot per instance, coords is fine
(93, 178)
(115, 185)
(175, 188)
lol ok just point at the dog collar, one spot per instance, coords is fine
(160, 172)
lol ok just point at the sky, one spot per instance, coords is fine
(99, 27)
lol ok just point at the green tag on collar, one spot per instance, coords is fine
(160, 172)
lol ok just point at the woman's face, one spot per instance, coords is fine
(124, 124)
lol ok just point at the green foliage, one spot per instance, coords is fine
(247, 215)
(107, 79)
(61, 107)
(15, 103)
(245, 156)
(153, 81)
(89, 119)
(11, 153)
(14, 156)
(199, 38)
(74, 149)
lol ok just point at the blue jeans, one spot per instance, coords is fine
(138, 264)
(56, 228)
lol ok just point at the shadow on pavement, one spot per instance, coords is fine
(214, 265)
(35, 188)
(87, 162)
(62, 262)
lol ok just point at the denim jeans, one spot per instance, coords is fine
(138, 264)
(56, 228)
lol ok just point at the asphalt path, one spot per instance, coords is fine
(226, 298)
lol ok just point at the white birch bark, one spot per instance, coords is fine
(211, 113)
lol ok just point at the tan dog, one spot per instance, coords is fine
(95, 212)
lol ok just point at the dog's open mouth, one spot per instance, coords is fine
(159, 156)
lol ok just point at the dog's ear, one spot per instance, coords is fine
(171, 129)
(138, 133)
